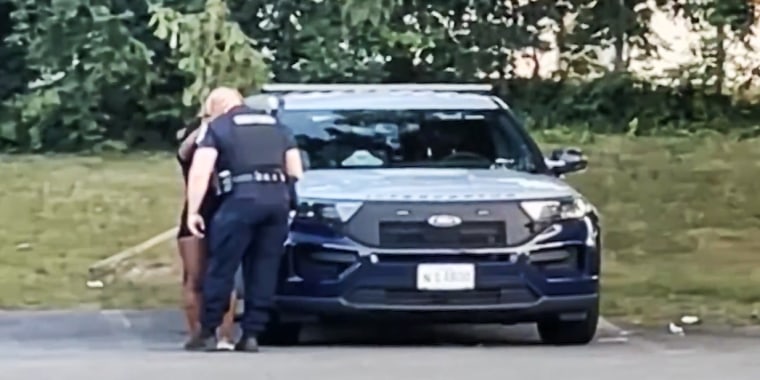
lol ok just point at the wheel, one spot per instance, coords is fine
(554, 331)
(281, 334)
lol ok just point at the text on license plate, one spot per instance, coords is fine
(445, 276)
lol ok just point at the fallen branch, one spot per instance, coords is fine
(110, 263)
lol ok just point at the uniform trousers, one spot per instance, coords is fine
(250, 232)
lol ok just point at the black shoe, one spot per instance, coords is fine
(247, 344)
(205, 341)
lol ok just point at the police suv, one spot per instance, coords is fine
(431, 203)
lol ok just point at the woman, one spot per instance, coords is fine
(193, 250)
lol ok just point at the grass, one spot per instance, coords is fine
(682, 227)
(681, 219)
(62, 213)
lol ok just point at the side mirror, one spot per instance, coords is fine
(566, 160)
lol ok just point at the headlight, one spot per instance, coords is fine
(557, 209)
(326, 210)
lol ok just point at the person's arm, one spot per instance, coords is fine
(185, 150)
(293, 164)
(201, 170)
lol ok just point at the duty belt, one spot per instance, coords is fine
(258, 176)
(226, 181)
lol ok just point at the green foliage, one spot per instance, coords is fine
(84, 74)
(90, 75)
(12, 68)
(620, 103)
(213, 50)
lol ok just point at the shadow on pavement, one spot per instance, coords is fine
(164, 329)
(419, 335)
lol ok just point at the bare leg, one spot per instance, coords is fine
(193, 262)
(227, 329)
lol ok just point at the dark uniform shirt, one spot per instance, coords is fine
(261, 147)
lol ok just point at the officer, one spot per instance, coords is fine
(255, 161)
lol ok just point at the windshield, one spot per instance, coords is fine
(410, 139)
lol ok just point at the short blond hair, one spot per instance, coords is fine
(221, 99)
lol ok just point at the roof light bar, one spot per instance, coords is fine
(441, 87)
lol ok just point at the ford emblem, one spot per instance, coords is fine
(444, 221)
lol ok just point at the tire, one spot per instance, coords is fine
(556, 332)
(281, 334)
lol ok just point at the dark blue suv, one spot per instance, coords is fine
(430, 203)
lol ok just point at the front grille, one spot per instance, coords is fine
(472, 297)
(399, 225)
(432, 298)
(407, 258)
(423, 235)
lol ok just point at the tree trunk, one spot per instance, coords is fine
(720, 60)
(619, 36)
(562, 65)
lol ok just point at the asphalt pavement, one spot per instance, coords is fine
(117, 345)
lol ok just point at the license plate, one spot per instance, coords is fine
(445, 276)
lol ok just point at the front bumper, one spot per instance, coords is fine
(341, 279)
(306, 309)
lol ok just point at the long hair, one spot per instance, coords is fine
(191, 127)
(194, 124)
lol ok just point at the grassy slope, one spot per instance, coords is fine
(682, 227)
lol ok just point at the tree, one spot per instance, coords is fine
(211, 48)
(94, 74)
(89, 69)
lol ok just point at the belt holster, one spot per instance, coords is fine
(224, 183)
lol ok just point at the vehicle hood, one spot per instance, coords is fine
(429, 185)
